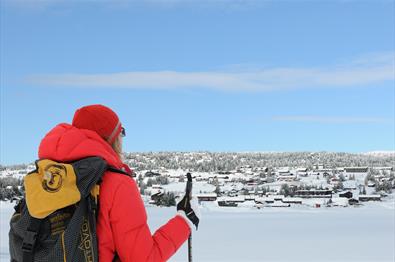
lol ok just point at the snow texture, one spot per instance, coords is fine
(303, 234)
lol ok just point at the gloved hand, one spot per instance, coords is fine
(189, 209)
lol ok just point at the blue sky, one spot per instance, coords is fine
(202, 75)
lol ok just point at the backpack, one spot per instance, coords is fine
(56, 220)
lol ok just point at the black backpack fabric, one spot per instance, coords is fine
(45, 225)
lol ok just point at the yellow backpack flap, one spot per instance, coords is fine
(54, 185)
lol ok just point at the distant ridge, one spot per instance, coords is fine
(380, 153)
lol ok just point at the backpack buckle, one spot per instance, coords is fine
(28, 241)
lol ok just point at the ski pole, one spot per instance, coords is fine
(188, 193)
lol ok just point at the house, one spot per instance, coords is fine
(314, 193)
(206, 197)
(371, 184)
(286, 177)
(250, 196)
(251, 184)
(324, 171)
(224, 172)
(233, 193)
(283, 171)
(347, 194)
(227, 204)
(278, 197)
(356, 171)
(384, 168)
(301, 171)
(302, 174)
(365, 198)
(261, 169)
(175, 175)
(292, 200)
(278, 205)
(151, 174)
(230, 201)
(223, 177)
(264, 200)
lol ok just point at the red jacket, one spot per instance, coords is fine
(122, 223)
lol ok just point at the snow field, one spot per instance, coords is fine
(246, 234)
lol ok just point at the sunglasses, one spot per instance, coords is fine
(123, 132)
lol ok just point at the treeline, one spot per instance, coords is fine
(14, 167)
(209, 161)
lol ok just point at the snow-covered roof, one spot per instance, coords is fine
(356, 169)
(292, 199)
(370, 196)
(230, 199)
(301, 169)
(212, 194)
(283, 170)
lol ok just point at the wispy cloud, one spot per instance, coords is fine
(361, 71)
(332, 119)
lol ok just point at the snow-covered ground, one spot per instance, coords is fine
(304, 234)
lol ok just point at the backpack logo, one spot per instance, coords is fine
(53, 177)
(86, 241)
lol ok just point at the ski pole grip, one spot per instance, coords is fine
(188, 190)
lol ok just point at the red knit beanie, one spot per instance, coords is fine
(100, 119)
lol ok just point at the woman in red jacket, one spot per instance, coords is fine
(122, 228)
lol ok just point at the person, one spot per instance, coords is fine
(122, 230)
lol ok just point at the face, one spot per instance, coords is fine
(120, 138)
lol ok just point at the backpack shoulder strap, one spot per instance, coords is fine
(29, 241)
(117, 170)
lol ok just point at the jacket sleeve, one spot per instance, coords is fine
(131, 234)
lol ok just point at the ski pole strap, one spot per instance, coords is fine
(29, 241)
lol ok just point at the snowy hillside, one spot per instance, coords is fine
(380, 154)
(256, 180)
(263, 206)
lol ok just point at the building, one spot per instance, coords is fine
(314, 193)
(230, 201)
(264, 200)
(151, 174)
(292, 200)
(355, 171)
(384, 168)
(324, 171)
(286, 177)
(279, 204)
(278, 197)
(347, 194)
(369, 198)
(206, 197)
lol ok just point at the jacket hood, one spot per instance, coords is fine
(66, 143)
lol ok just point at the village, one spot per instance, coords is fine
(241, 180)
(263, 187)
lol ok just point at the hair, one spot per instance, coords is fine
(117, 146)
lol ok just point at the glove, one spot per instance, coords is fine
(189, 210)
